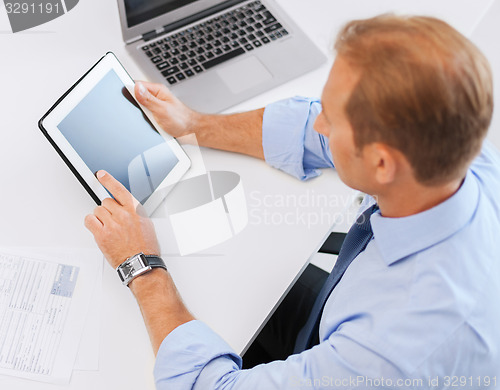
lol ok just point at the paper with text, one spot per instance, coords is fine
(41, 317)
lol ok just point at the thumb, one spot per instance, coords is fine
(146, 98)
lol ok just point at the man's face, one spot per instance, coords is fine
(334, 124)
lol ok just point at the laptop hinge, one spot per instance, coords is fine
(190, 19)
(151, 35)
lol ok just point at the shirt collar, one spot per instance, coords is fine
(397, 238)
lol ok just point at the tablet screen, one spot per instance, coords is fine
(109, 131)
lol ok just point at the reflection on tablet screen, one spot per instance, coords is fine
(109, 131)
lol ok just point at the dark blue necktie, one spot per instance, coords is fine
(355, 242)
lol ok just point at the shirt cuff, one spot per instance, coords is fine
(186, 351)
(287, 126)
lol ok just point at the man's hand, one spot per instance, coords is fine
(171, 114)
(120, 226)
(241, 133)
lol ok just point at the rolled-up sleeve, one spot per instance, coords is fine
(186, 351)
(194, 357)
(289, 140)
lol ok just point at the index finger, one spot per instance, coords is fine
(117, 189)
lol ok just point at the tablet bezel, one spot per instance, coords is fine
(50, 121)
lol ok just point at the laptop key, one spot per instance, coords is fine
(189, 73)
(170, 71)
(162, 66)
(265, 40)
(257, 43)
(223, 58)
(149, 54)
(183, 66)
(180, 76)
(269, 21)
(156, 59)
(248, 47)
(198, 69)
(145, 47)
(171, 80)
(272, 28)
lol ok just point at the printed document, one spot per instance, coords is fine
(43, 305)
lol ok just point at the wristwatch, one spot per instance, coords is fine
(138, 265)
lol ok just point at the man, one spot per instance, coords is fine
(404, 112)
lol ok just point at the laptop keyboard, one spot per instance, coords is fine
(186, 53)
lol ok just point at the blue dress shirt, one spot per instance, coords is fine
(418, 309)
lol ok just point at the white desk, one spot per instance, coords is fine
(43, 204)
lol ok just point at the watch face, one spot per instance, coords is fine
(133, 267)
(137, 263)
(128, 269)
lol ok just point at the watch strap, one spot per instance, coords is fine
(155, 261)
(127, 272)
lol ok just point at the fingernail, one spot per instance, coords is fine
(100, 174)
(142, 89)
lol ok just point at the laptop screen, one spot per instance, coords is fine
(139, 11)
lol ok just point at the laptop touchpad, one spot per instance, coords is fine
(244, 74)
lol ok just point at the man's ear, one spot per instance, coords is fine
(384, 162)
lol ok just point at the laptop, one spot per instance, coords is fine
(213, 54)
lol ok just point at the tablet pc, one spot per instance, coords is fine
(98, 124)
